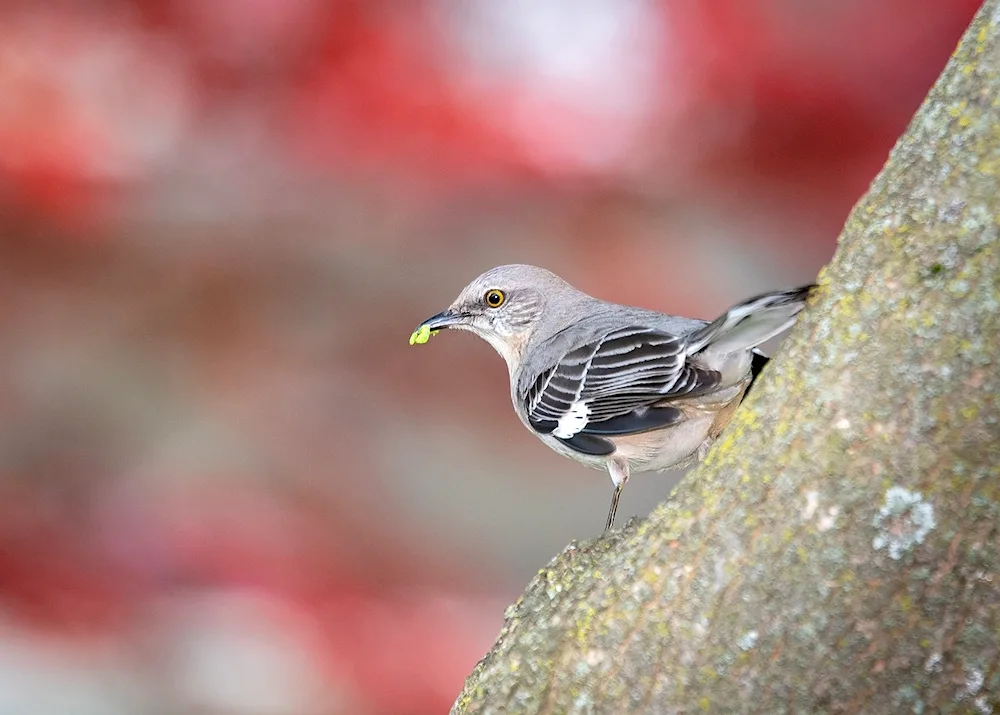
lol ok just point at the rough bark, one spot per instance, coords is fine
(838, 551)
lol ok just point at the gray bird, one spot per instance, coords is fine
(613, 386)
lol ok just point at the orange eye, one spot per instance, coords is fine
(494, 298)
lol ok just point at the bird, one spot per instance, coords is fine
(614, 386)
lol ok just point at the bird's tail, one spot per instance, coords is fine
(750, 323)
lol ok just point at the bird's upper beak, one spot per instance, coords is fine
(444, 319)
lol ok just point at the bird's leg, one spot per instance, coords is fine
(614, 507)
(618, 468)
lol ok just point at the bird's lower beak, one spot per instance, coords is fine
(426, 329)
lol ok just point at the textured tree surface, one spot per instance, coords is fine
(839, 549)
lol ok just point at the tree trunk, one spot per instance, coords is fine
(838, 550)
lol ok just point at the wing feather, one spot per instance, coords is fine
(624, 377)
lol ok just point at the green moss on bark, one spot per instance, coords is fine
(839, 549)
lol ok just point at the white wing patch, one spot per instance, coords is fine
(572, 421)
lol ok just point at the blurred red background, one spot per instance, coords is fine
(226, 485)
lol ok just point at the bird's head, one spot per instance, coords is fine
(504, 306)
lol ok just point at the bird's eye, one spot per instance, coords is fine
(494, 298)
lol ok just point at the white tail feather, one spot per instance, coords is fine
(750, 323)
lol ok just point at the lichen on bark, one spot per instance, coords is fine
(839, 549)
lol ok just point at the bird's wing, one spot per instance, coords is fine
(618, 382)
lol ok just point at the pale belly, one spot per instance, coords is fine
(655, 451)
(670, 448)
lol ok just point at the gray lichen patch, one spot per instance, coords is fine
(748, 640)
(904, 521)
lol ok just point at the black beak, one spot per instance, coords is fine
(445, 319)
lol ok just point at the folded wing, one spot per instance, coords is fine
(620, 382)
